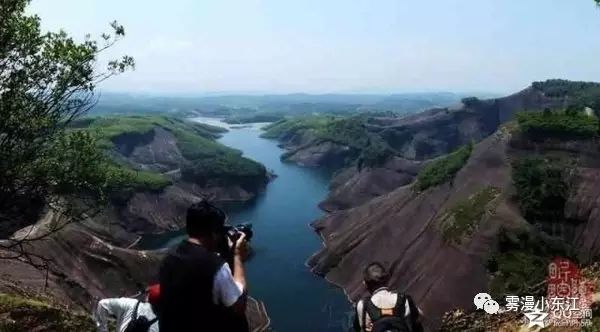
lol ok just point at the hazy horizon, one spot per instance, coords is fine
(258, 47)
(209, 94)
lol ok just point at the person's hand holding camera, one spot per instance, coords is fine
(240, 247)
(240, 253)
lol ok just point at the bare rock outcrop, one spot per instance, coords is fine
(354, 186)
(404, 228)
(161, 154)
(320, 153)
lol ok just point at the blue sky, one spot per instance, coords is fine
(322, 46)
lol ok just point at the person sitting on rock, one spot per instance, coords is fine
(383, 309)
(199, 291)
(132, 315)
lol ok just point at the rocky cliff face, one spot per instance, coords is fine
(353, 186)
(307, 149)
(320, 153)
(420, 137)
(406, 229)
(413, 140)
(439, 131)
(424, 135)
(155, 151)
(157, 212)
(163, 210)
(82, 268)
(402, 229)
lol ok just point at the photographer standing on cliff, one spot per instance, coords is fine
(199, 292)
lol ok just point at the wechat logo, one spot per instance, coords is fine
(484, 301)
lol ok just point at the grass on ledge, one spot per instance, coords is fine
(463, 218)
(443, 169)
(22, 314)
(129, 180)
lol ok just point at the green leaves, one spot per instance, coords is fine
(47, 80)
(119, 29)
(74, 165)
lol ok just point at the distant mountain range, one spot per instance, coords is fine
(286, 103)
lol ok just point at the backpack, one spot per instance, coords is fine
(139, 323)
(394, 321)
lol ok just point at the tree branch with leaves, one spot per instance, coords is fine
(48, 80)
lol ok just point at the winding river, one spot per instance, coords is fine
(296, 300)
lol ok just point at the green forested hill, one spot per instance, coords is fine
(369, 147)
(204, 159)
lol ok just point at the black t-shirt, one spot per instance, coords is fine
(186, 281)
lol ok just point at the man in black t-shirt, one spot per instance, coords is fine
(199, 292)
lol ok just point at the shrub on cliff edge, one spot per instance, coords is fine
(22, 314)
(443, 169)
(569, 124)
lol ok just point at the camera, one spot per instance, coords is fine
(233, 233)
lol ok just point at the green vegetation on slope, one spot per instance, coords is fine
(462, 218)
(254, 118)
(580, 94)
(443, 169)
(289, 127)
(109, 128)
(520, 264)
(128, 180)
(570, 124)
(206, 158)
(371, 149)
(347, 131)
(22, 314)
(541, 189)
(227, 169)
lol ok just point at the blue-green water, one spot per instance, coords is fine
(296, 299)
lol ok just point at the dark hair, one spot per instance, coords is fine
(375, 276)
(203, 219)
